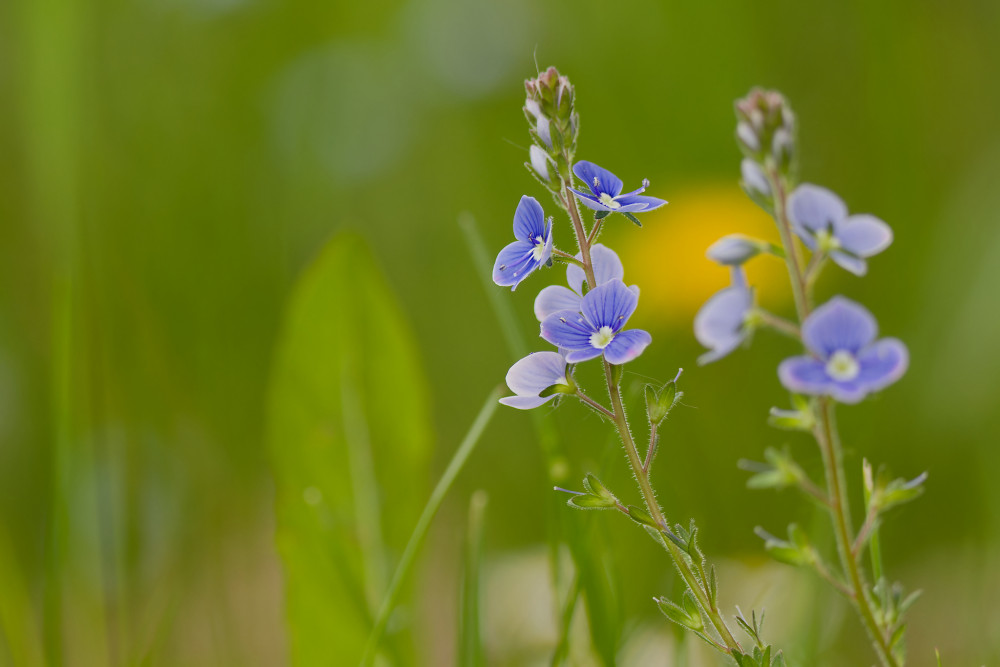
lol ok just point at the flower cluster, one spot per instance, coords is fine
(585, 319)
(844, 361)
(855, 366)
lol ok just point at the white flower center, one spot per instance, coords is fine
(609, 201)
(602, 337)
(539, 250)
(842, 366)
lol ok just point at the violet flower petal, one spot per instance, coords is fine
(626, 346)
(839, 324)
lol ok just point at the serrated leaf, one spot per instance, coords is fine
(348, 432)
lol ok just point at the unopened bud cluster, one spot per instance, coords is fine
(550, 109)
(765, 132)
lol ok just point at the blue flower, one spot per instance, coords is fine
(605, 191)
(532, 376)
(596, 328)
(553, 298)
(820, 219)
(720, 324)
(532, 248)
(847, 362)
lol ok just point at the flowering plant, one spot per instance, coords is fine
(586, 321)
(843, 363)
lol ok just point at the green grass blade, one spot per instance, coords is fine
(470, 649)
(423, 524)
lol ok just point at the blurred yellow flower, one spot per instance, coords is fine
(666, 258)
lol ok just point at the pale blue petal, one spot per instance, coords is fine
(526, 402)
(529, 219)
(606, 182)
(626, 346)
(609, 305)
(637, 203)
(855, 265)
(607, 265)
(590, 201)
(864, 235)
(719, 324)
(753, 177)
(536, 372)
(814, 208)
(804, 375)
(882, 363)
(555, 298)
(585, 354)
(839, 324)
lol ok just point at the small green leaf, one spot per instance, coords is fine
(595, 487)
(633, 218)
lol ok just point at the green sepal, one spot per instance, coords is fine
(641, 516)
(780, 471)
(680, 615)
(595, 487)
(632, 218)
(802, 418)
(660, 401)
(795, 551)
(600, 215)
(587, 501)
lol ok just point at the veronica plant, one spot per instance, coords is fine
(586, 322)
(843, 360)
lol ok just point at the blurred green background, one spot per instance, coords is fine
(168, 168)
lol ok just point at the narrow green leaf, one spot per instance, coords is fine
(589, 501)
(470, 649)
(349, 432)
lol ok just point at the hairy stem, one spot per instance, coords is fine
(827, 437)
(698, 588)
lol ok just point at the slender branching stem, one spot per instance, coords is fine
(867, 527)
(826, 435)
(591, 403)
(594, 232)
(779, 324)
(698, 588)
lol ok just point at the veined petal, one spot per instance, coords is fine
(529, 219)
(514, 263)
(606, 182)
(526, 402)
(814, 208)
(882, 364)
(590, 201)
(609, 305)
(536, 372)
(805, 375)
(636, 203)
(626, 346)
(864, 235)
(555, 298)
(839, 324)
(586, 354)
(848, 262)
(567, 329)
(607, 266)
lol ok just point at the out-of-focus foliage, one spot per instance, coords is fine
(169, 167)
(349, 436)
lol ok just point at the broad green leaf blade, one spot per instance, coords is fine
(349, 435)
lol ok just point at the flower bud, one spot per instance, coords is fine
(735, 249)
(766, 128)
(554, 124)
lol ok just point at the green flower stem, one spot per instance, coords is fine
(829, 443)
(641, 475)
(827, 437)
(588, 401)
(779, 324)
